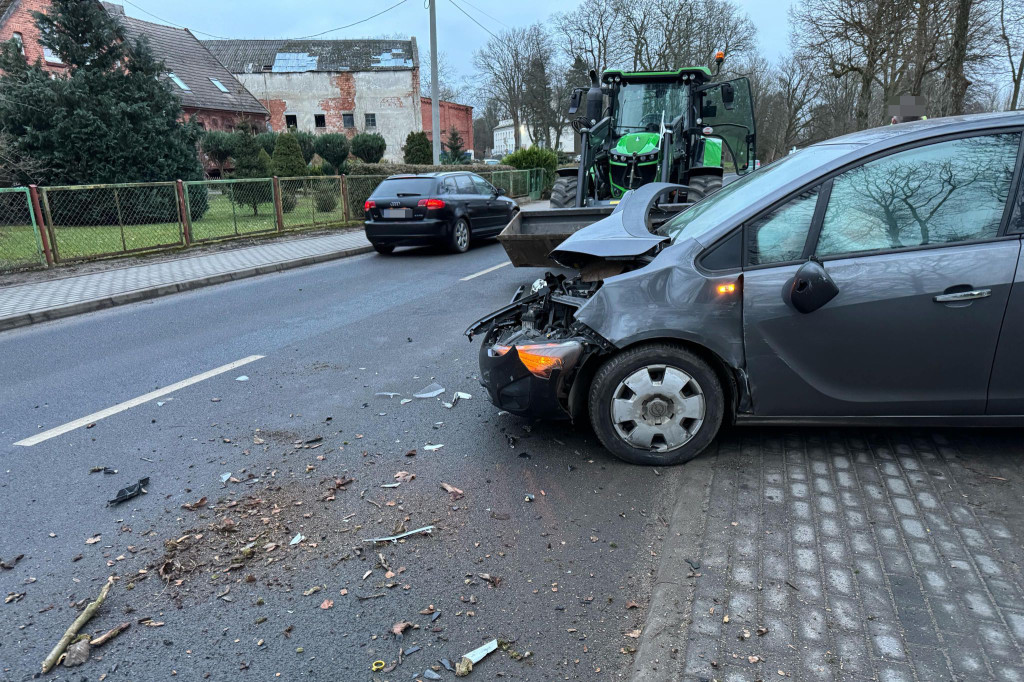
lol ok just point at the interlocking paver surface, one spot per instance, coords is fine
(867, 554)
(30, 298)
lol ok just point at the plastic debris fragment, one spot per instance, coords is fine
(431, 391)
(465, 666)
(129, 492)
(396, 538)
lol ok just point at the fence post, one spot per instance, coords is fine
(186, 219)
(37, 214)
(346, 210)
(278, 207)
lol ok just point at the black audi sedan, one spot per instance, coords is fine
(451, 208)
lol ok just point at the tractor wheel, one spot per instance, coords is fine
(702, 186)
(563, 194)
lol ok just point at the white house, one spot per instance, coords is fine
(505, 142)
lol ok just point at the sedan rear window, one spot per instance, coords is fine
(404, 187)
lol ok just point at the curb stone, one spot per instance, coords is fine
(661, 654)
(25, 319)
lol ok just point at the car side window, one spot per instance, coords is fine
(780, 236)
(482, 186)
(464, 184)
(448, 186)
(942, 193)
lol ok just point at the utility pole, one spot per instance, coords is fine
(435, 104)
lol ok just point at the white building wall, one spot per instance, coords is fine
(505, 142)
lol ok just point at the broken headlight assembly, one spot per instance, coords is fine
(541, 359)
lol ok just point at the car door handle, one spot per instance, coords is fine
(959, 296)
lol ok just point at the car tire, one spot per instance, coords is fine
(384, 249)
(699, 400)
(458, 240)
(701, 186)
(563, 193)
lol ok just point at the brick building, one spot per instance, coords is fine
(344, 86)
(451, 114)
(206, 89)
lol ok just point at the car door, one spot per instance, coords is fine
(495, 207)
(913, 244)
(1006, 389)
(476, 205)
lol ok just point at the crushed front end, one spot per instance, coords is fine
(533, 349)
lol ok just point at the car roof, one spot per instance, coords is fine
(900, 133)
(436, 174)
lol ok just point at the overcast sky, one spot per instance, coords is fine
(457, 35)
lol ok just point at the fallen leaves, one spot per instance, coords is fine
(635, 634)
(403, 625)
(193, 506)
(13, 597)
(327, 603)
(404, 476)
(93, 540)
(455, 493)
(632, 605)
(492, 580)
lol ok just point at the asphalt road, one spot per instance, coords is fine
(573, 567)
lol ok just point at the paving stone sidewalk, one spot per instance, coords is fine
(67, 295)
(867, 555)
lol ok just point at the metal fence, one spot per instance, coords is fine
(21, 243)
(40, 226)
(94, 221)
(314, 201)
(222, 209)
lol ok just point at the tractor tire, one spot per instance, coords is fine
(702, 186)
(563, 193)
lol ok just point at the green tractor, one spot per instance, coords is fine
(661, 126)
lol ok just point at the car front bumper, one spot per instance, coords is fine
(406, 232)
(514, 388)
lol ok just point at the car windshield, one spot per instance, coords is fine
(751, 188)
(641, 105)
(404, 187)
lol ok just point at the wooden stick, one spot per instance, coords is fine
(80, 622)
(109, 635)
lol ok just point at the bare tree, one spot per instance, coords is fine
(503, 67)
(592, 31)
(448, 87)
(1011, 35)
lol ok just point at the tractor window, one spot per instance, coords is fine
(734, 125)
(642, 106)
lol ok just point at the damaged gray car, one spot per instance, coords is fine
(870, 279)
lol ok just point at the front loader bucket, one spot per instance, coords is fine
(532, 235)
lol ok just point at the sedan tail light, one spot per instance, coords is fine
(370, 203)
(431, 203)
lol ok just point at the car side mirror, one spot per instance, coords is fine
(728, 95)
(811, 288)
(499, 192)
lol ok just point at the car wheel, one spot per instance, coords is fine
(656, 404)
(384, 249)
(459, 239)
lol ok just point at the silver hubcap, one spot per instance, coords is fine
(461, 235)
(657, 408)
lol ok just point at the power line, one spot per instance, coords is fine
(474, 20)
(486, 14)
(314, 35)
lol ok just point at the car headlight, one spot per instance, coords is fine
(541, 359)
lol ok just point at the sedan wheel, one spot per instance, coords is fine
(656, 404)
(459, 242)
(658, 408)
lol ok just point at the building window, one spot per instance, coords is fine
(220, 86)
(51, 56)
(348, 120)
(180, 83)
(21, 43)
(291, 122)
(371, 120)
(320, 120)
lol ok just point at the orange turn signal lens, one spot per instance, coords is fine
(541, 359)
(727, 288)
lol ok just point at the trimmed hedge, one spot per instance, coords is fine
(399, 168)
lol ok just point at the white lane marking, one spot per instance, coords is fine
(484, 272)
(128, 404)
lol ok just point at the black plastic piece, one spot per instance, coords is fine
(812, 287)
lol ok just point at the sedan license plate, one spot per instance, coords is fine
(394, 213)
